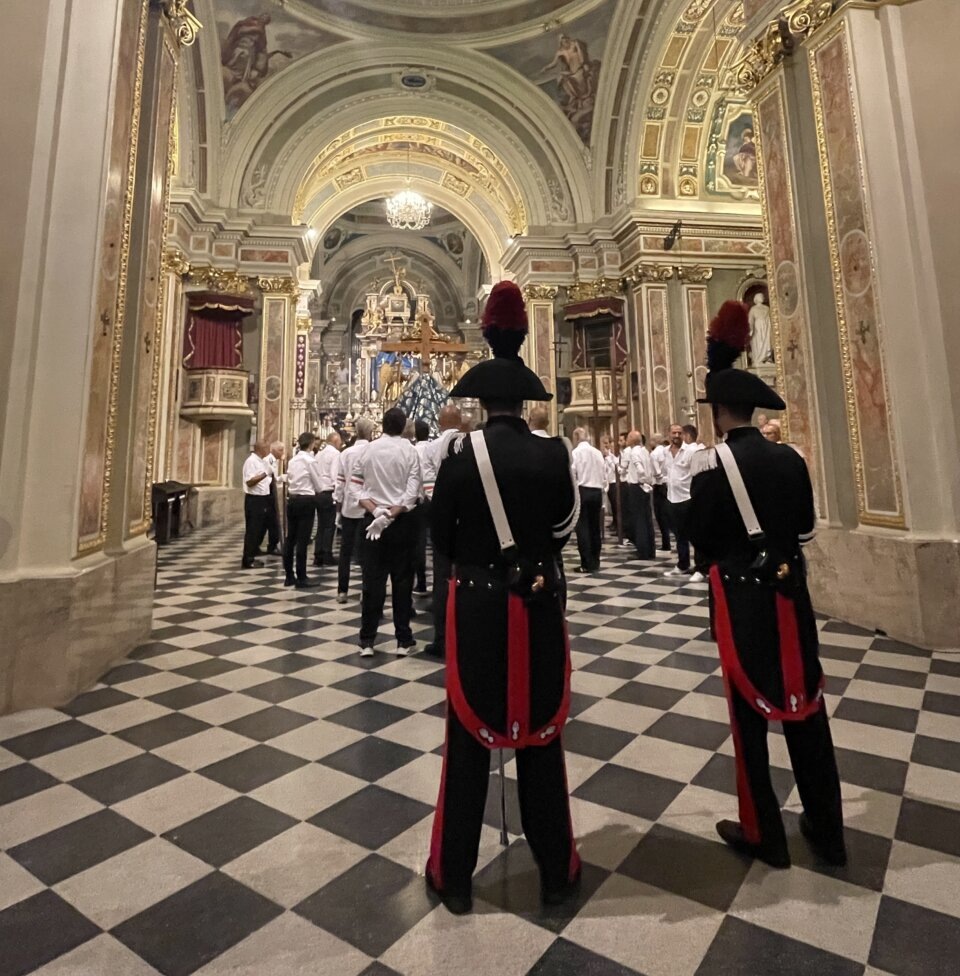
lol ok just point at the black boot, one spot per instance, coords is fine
(834, 852)
(732, 834)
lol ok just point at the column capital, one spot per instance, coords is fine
(538, 292)
(583, 291)
(185, 25)
(279, 285)
(219, 279)
(175, 262)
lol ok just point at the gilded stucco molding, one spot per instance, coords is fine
(641, 273)
(185, 25)
(695, 274)
(220, 280)
(278, 285)
(175, 262)
(540, 293)
(777, 41)
(864, 514)
(582, 291)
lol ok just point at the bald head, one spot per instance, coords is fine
(579, 435)
(450, 418)
(261, 448)
(633, 438)
(334, 440)
(364, 429)
(539, 418)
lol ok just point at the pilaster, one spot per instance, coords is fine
(540, 347)
(276, 357)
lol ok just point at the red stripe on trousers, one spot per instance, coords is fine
(791, 659)
(518, 670)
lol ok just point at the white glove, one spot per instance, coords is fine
(376, 528)
(381, 510)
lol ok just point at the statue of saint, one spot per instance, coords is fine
(760, 349)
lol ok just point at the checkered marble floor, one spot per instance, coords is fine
(245, 795)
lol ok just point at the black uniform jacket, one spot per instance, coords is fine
(508, 658)
(767, 636)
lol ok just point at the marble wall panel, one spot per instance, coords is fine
(788, 304)
(211, 455)
(108, 325)
(656, 329)
(641, 393)
(855, 285)
(695, 307)
(150, 312)
(276, 310)
(543, 342)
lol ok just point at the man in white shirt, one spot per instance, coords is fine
(274, 459)
(328, 467)
(256, 503)
(351, 513)
(388, 482)
(590, 472)
(303, 484)
(449, 422)
(538, 421)
(630, 478)
(421, 444)
(659, 453)
(683, 445)
(642, 490)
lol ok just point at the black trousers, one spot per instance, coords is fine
(612, 496)
(256, 510)
(629, 522)
(661, 513)
(642, 514)
(326, 527)
(422, 512)
(814, 767)
(678, 522)
(352, 540)
(588, 527)
(273, 520)
(544, 809)
(383, 558)
(442, 568)
(300, 512)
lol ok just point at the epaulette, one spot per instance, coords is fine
(701, 461)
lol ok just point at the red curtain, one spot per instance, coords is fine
(211, 343)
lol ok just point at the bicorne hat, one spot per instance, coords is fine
(505, 377)
(726, 339)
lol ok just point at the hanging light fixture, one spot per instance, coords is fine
(407, 210)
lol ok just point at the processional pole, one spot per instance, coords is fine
(615, 410)
(504, 839)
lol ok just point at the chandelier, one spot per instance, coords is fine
(407, 210)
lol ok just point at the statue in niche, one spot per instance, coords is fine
(761, 351)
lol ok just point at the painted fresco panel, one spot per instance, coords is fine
(150, 313)
(787, 302)
(658, 341)
(696, 311)
(108, 326)
(868, 408)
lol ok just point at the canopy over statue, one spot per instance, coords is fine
(423, 400)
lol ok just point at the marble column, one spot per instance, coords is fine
(276, 357)
(175, 266)
(696, 318)
(539, 352)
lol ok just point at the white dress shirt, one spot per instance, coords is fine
(539, 433)
(628, 470)
(646, 471)
(610, 465)
(659, 455)
(253, 466)
(328, 466)
(389, 473)
(679, 474)
(303, 477)
(346, 493)
(588, 466)
(432, 458)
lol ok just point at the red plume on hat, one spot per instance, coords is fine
(505, 320)
(727, 335)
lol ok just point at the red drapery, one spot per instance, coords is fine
(213, 338)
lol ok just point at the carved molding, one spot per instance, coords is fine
(220, 280)
(535, 292)
(185, 25)
(176, 262)
(641, 273)
(694, 274)
(279, 285)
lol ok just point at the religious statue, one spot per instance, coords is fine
(760, 349)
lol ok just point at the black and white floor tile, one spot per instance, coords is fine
(246, 796)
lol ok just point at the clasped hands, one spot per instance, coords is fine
(382, 519)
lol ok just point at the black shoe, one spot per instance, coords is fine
(431, 651)
(455, 903)
(834, 852)
(274, 552)
(557, 896)
(731, 833)
(256, 564)
(317, 561)
(413, 613)
(664, 549)
(421, 593)
(306, 584)
(289, 581)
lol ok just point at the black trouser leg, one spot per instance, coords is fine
(375, 563)
(629, 529)
(662, 514)
(459, 816)
(255, 508)
(326, 519)
(594, 503)
(273, 520)
(583, 532)
(300, 510)
(815, 769)
(422, 513)
(759, 807)
(441, 587)
(545, 811)
(351, 541)
(678, 522)
(401, 537)
(644, 523)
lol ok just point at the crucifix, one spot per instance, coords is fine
(424, 341)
